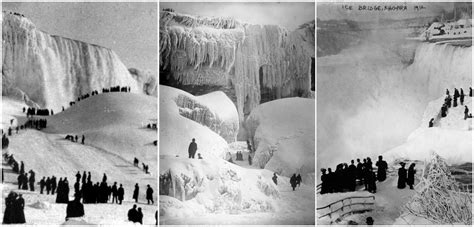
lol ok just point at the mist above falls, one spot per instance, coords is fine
(371, 96)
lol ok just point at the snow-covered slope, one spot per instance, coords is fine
(208, 119)
(283, 133)
(52, 70)
(451, 138)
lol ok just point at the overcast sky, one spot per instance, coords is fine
(130, 29)
(287, 14)
(337, 10)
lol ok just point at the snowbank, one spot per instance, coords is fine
(283, 134)
(177, 131)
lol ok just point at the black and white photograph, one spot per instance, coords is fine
(394, 113)
(237, 113)
(79, 113)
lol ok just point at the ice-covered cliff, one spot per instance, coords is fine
(250, 58)
(52, 70)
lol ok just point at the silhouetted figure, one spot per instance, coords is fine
(74, 208)
(199, 156)
(78, 176)
(120, 194)
(298, 180)
(293, 181)
(447, 92)
(249, 146)
(24, 109)
(411, 175)
(132, 213)
(372, 185)
(135, 193)
(48, 185)
(89, 177)
(250, 159)
(382, 167)
(461, 97)
(431, 123)
(444, 110)
(24, 183)
(84, 175)
(32, 180)
(104, 178)
(42, 183)
(402, 176)
(369, 221)
(455, 102)
(275, 178)
(359, 170)
(76, 138)
(470, 91)
(54, 184)
(192, 148)
(140, 216)
(330, 181)
(82, 141)
(352, 170)
(466, 112)
(114, 193)
(149, 194)
(324, 183)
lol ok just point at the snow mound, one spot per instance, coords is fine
(212, 185)
(283, 134)
(42, 205)
(177, 131)
(454, 118)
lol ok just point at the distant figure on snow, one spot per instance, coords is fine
(120, 194)
(402, 176)
(199, 156)
(324, 183)
(411, 175)
(470, 91)
(149, 194)
(293, 181)
(82, 142)
(135, 193)
(192, 148)
(369, 221)
(431, 123)
(274, 178)
(132, 213)
(298, 180)
(466, 112)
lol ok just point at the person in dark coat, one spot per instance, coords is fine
(114, 193)
(456, 93)
(24, 184)
(372, 184)
(149, 194)
(466, 112)
(140, 216)
(135, 193)
(20, 209)
(470, 91)
(461, 97)
(132, 213)
(293, 181)
(359, 170)
(444, 110)
(89, 177)
(324, 183)
(411, 175)
(83, 138)
(275, 178)
(20, 180)
(431, 123)
(48, 186)
(42, 183)
(330, 181)
(192, 148)
(74, 208)
(78, 176)
(120, 194)
(402, 176)
(104, 178)
(32, 181)
(10, 214)
(22, 167)
(53, 185)
(84, 176)
(352, 176)
(382, 167)
(298, 180)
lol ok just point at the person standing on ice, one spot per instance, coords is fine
(20, 210)
(466, 112)
(132, 213)
(48, 185)
(135, 193)
(381, 169)
(456, 93)
(275, 178)
(298, 180)
(24, 184)
(83, 138)
(149, 195)
(42, 183)
(352, 176)
(114, 193)
(470, 91)
(78, 176)
(84, 175)
(20, 180)
(22, 167)
(447, 92)
(402, 176)
(431, 123)
(461, 97)
(293, 181)
(192, 148)
(32, 180)
(75, 208)
(411, 175)
(53, 185)
(140, 216)
(324, 183)
(120, 194)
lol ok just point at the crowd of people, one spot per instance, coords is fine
(452, 102)
(14, 209)
(116, 89)
(406, 178)
(31, 111)
(75, 138)
(345, 177)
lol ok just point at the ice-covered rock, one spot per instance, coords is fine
(212, 119)
(53, 70)
(283, 134)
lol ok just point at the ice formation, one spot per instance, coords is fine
(283, 135)
(211, 119)
(52, 70)
(221, 51)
